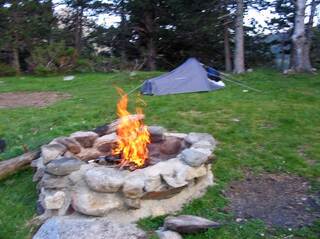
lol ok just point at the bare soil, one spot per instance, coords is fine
(277, 199)
(30, 99)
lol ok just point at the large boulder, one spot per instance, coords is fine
(87, 228)
(95, 204)
(189, 224)
(103, 179)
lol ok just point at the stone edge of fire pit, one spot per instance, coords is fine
(67, 184)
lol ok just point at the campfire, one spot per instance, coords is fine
(124, 170)
(132, 136)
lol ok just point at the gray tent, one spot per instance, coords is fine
(191, 76)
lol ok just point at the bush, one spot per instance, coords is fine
(6, 70)
(52, 58)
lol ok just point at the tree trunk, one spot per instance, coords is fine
(314, 4)
(227, 52)
(151, 49)
(239, 40)
(16, 59)
(78, 31)
(300, 61)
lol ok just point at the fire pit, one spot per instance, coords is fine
(124, 172)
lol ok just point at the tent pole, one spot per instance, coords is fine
(238, 83)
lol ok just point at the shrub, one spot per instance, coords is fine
(6, 70)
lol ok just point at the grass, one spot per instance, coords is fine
(277, 130)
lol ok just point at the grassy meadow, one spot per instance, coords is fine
(277, 130)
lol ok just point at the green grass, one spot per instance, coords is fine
(257, 132)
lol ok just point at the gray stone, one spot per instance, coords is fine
(166, 234)
(203, 145)
(86, 139)
(102, 179)
(156, 133)
(106, 142)
(189, 224)
(51, 181)
(54, 200)
(95, 204)
(156, 130)
(87, 228)
(63, 166)
(72, 145)
(196, 137)
(133, 186)
(194, 157)
(50, 152)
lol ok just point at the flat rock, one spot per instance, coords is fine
(188, 224)
(50, 152)
(166, 234)
(196, 137)
(51, 181)
(87, 228)
(95, 204)
(194, 157)
(63, 166)
(104, 179)
(86, 139)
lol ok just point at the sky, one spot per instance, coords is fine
(261, 17)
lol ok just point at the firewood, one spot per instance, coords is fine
(10, 166)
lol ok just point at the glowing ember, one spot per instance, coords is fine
(132, 135)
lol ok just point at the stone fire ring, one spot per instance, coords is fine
(69, 183)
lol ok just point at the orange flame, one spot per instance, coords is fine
(132, 135)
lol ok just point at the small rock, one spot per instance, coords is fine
(86, 139)
(203, 145)
(133, 186)
(188, 224)
(105, 143)
(87, 228)
(168, 234)
(176, 135)
(194, 157)
(54, 201)
(104, 179)
(72, 145)
(52, 151)
(68, 78)
(171, 145)
(63, 166)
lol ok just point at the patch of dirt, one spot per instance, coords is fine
(278, 200)
(32, 99)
